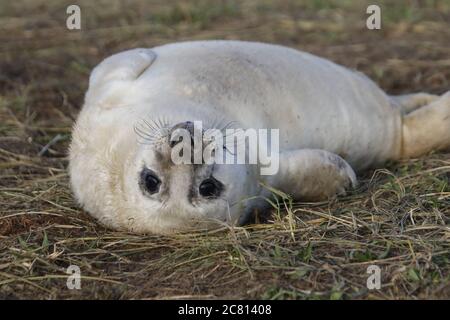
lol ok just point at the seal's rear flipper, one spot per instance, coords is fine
(427, 128)
(115, 75)
(410, 102)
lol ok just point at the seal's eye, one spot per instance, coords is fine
(210, 188)
(149, 181)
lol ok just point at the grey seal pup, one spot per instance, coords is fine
(332, 122)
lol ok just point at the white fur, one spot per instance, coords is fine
(316, 104)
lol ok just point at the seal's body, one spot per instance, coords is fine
(330, 119)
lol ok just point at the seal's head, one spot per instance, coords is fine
(135, 184)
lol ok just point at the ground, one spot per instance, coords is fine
(397, 219)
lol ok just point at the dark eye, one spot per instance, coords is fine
(149, 181)
(210, 188)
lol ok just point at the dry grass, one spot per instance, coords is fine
(397, 219)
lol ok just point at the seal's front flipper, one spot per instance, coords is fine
(114, 76)
(312, 174)
(127, 65)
